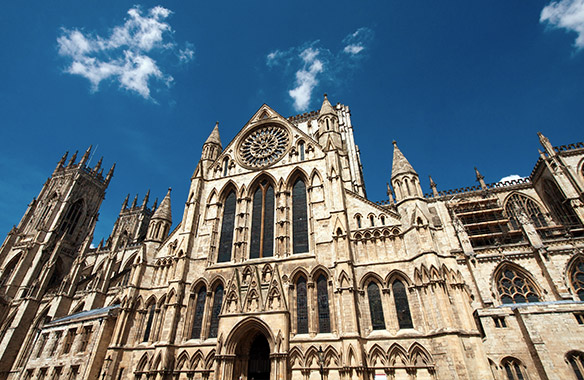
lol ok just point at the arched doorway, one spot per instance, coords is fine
(258, 365)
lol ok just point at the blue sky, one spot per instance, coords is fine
(457, 84)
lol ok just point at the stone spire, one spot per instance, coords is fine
(400, 164)
(125, 204)
(146, 197)
(214, 137)
(327, 108)
(85, 156)
(480, 179)
(329, 136)
(433, 186)
(545, 142)
(163, 211)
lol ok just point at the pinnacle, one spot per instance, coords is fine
(327, 108)
(214, 137)
(400, 164)
(164, 210)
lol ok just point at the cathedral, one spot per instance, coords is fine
(281, 268)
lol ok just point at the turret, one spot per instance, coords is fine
(433, 186)
(85, 156)
(404, 178)
(161, 221)
(329, 136)
(61, 162)
(145, 201)
(545, 142)
(212, 146)
(480, 179)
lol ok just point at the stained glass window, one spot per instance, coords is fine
(375, 306)
(149, 321)
(576, 360)
(217, 301)
(226, 240)
(324, 323)
(299, 217)
(577, 277)
(402, 306)
(301, 306)
(518, 203)
(514, 287)
(199, 312)
(262, 224)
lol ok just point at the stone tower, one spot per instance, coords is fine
(38, 253)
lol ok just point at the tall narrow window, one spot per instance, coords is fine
(520, 203)
(358, 218)
(226, 240)
(301, 306)
(217, 301)
(375, 307)
(324, 322)
(577, 277)
(225, 167)
(576, 360)
(199, 312)
(262, 224)
(301, 150)
(559, 205)
(149, 321)
(299, 217)
(402, 306)
(514, 287)
(372, 220)
(72, 217)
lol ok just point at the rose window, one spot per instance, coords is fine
(264, 146)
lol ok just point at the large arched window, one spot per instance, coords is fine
(520, 203)
(576, 360)
(402, 306)
(149, 321)
(299, 217)
(559, 205)
(226, 240)
(515, 287)
(324, 321)
(199, 313)
(215, 311)
(301, 306)
(513, 369)
(375, 306)
(262, 223)
(577, 277)
(72, 217)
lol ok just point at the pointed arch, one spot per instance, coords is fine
(9, 268)
(575, 274)
(182, 359)
(331, 357)
(199, 311)
(311, 357)
(262, 193)
(576, 360)
(218, 292)
(371, 276)
(227, 223)
(213, 197)
(210, 360)
(375, 306)
(351, 357)
(315, 178)
(301, 303)
(397, 356)
(299, 215)
(419, 356)
(514, 368)
(376, 354)
(518, 203)
(397, 274)
(197, 360)
(322, 294)
(72, 216)
(316, 271)
(402, 305)
(295, 358)
(143, 363)
(515, 284)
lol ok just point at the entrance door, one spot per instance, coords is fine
(258, 367)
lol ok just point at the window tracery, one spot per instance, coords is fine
(515, 287)
(262, 225)
(577, 277)
(513, 369)
(72, 217)
(576, 360)
(227, 226)
(375, 307)
(558, 204)
(149, 321)
(518, 203)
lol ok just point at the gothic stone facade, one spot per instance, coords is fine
(281, 268)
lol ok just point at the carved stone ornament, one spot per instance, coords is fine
(264, 146)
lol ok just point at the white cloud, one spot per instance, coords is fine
(512, 177)
(306, 79)
(126, 56)
(312, 63)
(566, 14)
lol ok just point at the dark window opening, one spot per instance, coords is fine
(375, 307)
(301, 306)
(324, 323)
(226, 240)
(299, 218)
(217, 302)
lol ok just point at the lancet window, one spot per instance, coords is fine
(324, 322)
(149, 321)
(576, 360)
(199, 313)
(517, 204)
(515, 287)
(559, 206)
(301, 306)
(227, 226)
(513, 369)
(299, 217)
(217, 302)
(72, 217)
(262, 224)
(375, 307)
(402, 306)
(301, 150)
(577, 277)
